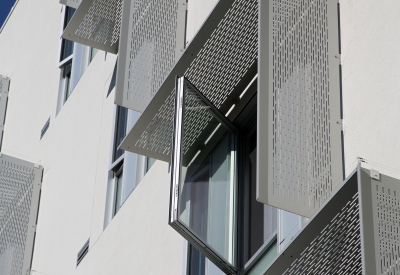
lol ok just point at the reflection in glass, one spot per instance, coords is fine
(207, 188)
(262, 218)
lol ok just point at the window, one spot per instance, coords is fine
(73, 60)
(214, 185)
(67, 46)
(149, 163)
(66, 79)
(66, 53)
(203, 205)
(118, 191)
(92, 54)
(126, 169)
(120, 131)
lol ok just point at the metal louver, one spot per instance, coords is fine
(221, 61)
(355, 232)
(71, 3)
(299, 107)
(20, 184)
(152, 40)
(96, 23)
(4, 88)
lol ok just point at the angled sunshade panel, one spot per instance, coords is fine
(152, 40)
(96, 23)
(355, 232)
(299, 105)
(71, 3)
(212, 63)
(4, 88)
(20, 184)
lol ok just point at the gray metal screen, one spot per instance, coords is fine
(381, 223)
(4, 89)
(331, 243)
(20, 184)
(152, 40)
(219, 62)
(355, 232)
(96, 23)
(299, 126)
(71, 3)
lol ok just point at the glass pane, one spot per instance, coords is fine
(262, 219)
(67, 47)
(265, 261)
(120, 131)
(198, 264)
(67, 80)
(93, 52)
(118, 193)
(207, 187)
(69, 12)
(150, 162)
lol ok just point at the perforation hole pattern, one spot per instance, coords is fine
(217, 69)
(102, 23)
(337, 249)
(388, 220)
(16, 186)
(301, 109)
(152, 46)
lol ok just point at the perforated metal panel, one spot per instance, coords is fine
(299, 126)
(71, 3)
(220, 61)
(96, 23)
(4, 89)
(381, 223)
(331, 241)
(355, 232)
(20, 183)
(152, 40)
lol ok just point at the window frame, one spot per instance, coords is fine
(176, 172)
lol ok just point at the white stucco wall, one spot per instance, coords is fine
(371, 83)
(75, 153)
(197, 12)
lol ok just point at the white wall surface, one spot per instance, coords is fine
(198, 11)
(75, 153)
(371, 83)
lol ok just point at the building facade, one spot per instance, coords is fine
(204, 137)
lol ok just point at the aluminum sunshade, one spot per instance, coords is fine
(231, 25)
(96, 23)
